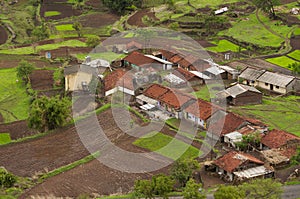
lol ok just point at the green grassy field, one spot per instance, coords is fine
(4, 138)
(14, 101)
(295, 54)
(30, 50)
(206, 92)
(167, 146)
(109, 56)
(51, 13)
(297, 31)
(64, 27)
(249, 29)
(280, 113)
(223, 46)
(282, 61)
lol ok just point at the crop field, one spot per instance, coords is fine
(14, 101)
(223, 46)
(275, 113)
(167, 146)
(108, 56)
(282, 61)
(51, 13)
(295, 54)
(4, 138)
(65, 27)
(249, 29)
(30, 50)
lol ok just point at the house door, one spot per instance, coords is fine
(271, 87)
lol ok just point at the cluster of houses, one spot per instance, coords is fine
(156, 83)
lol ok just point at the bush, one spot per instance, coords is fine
(92, 41)
(7, 179)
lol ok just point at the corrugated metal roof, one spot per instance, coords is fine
(275, 79)
(215, 70)
(200, 75)
(239, 89)
(251, 74)
(253, 172)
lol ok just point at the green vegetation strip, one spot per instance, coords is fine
(70, 166)
(223, 46)
(109, 56)
(14, 101)
(4, 138)
(279, 113)
(167, 146)
(65, 27)
(295, 54)
(32, 50)
(282, 61)
(51, 13)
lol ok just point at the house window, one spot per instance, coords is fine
(266, 84)
(277, 87)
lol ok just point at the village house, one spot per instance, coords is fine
(276, 139)
(275, 82)
(215, 72)
(199, 112)
(240, 94)
(249, 76)
(231, 73)
(238, 166)
(278, 158)
(119, 80)
(168, 100)
(141, 62)
(189, 77)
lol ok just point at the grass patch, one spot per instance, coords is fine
(278, 113)
(295, 54)
(207, 92)
(69, 166)
(14, 101)
(51, 13)
(297, 31)
(31, 50)
(65, 27)
(109, 56)
(223, 46)
(167, 146)
(249, 29)
(282, 61)
(4, 138)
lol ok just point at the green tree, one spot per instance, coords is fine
(41, 32)
(182, 170)
(295, 67)
(192, 190)
(229, 192)
(120, 6)
(262, 188)
(24, 69)
(162, 185)
(92, 41)
(295, 160)
(143, 188)
(78, 27)
(267, 6)
(7, 179)
(49, 113)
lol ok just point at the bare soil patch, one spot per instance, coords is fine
(136, 19)
(17, 130)
(98, 19)
(96, 5)
(65, 9)
(295, 42)
(42, 79)
(205, 43)
(3, 35)
(286, 1)
(66, 51)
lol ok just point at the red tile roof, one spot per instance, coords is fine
(175, 59)
(175, 98)
(201, 109)
(232, 160)
(180, 72)
(118, 78)
(167, 54)
(184, 63)
(227, 124)
(139, 59)
(277, 138)
(155, 91)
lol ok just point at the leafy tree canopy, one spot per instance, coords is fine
(92, 41)
(182, 170)
(192, 190)
(120, 6)
(24, 69)
(229, 192)
(267, 6)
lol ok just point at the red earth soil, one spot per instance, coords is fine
(38, 63)
(295, 42)
(18, 129)
(3, 35)
(42, 79)
(136, 19)
(65, 9)
(98, 19)
(67, 51)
